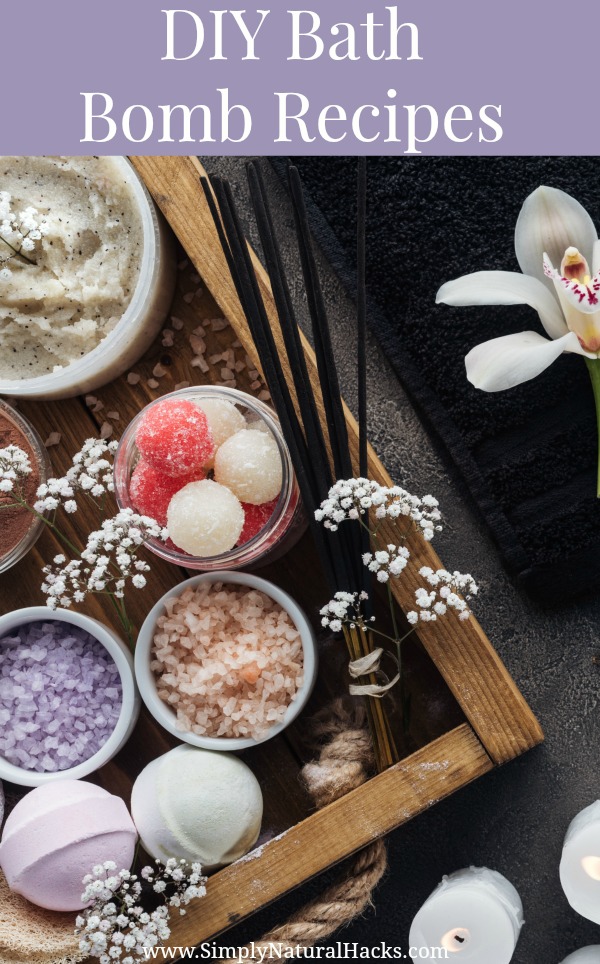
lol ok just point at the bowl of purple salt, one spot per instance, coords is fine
(68, 697)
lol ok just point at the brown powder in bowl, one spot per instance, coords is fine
(228, 660)
(16, 521)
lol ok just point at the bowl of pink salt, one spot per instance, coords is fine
(68, 697)
(211, 466)
(225, 660)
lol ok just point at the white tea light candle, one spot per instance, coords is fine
(585, 955)
(474, 915)
(580, 863)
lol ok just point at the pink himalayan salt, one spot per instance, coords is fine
(227, 660)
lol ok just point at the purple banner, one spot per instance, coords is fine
(331, 77)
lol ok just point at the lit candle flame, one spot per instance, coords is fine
(455, 940)
(591, 865)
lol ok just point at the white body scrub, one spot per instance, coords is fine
(87, 263)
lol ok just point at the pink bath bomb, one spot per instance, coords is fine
(56, 834)
(174, 437)
(151, 490)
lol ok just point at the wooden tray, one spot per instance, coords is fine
(468, 715)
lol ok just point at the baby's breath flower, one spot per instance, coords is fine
(107, 935)
(352, 498)
(14, 467)
(19, 232)
(443, 596)
(90, 473)
(107, 569)
(345, 609)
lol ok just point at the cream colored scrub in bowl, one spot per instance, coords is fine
(86, 273)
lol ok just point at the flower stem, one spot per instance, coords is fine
(593, 365)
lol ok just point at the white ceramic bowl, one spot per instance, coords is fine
(130, 706)
(147, 683)
(139, 325)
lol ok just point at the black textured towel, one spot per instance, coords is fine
(528, 455)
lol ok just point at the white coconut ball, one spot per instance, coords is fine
(197, 805)
(204, 518)
(259, 425)
(223, 418)
(249, 464)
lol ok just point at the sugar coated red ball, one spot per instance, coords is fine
(174, 437)
(255, 519)
(151, 491)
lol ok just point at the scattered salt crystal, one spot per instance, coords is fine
(98, 406)
(176, 323)
(115, 416)
(253, 373)
(200, 331)
(53, 439)
(188, 297)
(181, 385)
(264, 396)
(213, 359)
(106, 430)
(219, 324)
(227, 375)
(159, 370)
(90, 400)
(152, 383)
(228, 660)
(254, 386)
(239, 366)
(195, 278)
(236, 344)
(133, 378)
(201, 363)
(198, 344)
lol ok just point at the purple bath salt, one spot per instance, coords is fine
(60, 696)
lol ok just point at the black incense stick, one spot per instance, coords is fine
(329, 382)
(361, 311)
(236, 251)
(289, 327)
(339, 551)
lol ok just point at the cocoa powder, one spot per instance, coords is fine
(15, 521)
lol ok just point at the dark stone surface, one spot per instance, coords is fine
(514, 819)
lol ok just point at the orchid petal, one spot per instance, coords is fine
(596, 258)
(551, 220)
(584, 298)
(513, 359)
(505, 288)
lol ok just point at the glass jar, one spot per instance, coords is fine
(285, 526)
(25, 436)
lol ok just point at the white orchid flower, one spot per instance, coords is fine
(552, 229)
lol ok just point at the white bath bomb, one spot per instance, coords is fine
(205, 518)
(1, 804)
(223, 418)
(249, 464)
(199, 805)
